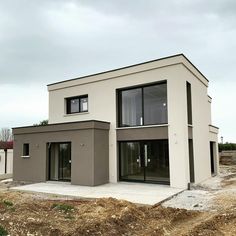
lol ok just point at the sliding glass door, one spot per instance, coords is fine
(157, 161)
(131, 165)
(60, 161)
(145, 161)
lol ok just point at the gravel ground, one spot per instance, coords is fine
(203, 196)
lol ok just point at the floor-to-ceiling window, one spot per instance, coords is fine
(146, 105)
(146, 161)
(60, 161)
(131, 108)
(143, 160)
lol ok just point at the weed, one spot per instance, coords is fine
(3, 232)
(69, 217)
(8, 203)
(62, 207)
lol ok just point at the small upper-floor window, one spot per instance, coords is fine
(26, 149)
(77, 104)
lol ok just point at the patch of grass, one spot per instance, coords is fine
(13, 209)
(8, 203)
(69, 217)
(62, 207)
(3, 232)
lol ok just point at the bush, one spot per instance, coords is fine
(227, 146)
(8, 203)
(3, 232)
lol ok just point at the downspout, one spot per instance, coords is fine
(5, 150)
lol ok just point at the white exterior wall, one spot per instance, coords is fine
(9, 161)
(101, 92)
(178, 130)
(209, 109)
(200, 118)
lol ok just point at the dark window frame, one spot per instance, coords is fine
(189, 103)
(141, 181)
(49, 161)
(142, 86)
(26, 150)
(68, 104)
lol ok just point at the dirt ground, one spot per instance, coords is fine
(42, 214)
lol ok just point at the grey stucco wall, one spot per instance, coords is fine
(89, 151)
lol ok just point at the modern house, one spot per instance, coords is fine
(149, 122)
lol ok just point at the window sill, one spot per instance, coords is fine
(77, 114)
(25, 157)
(143, 126)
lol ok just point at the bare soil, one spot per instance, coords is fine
(24, 213)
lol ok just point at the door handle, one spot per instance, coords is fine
(69, 161)
(145, 155)
(139, 161)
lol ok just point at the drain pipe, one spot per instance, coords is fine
(189, 186)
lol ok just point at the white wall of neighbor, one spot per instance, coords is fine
(102, 106)
(9, 161)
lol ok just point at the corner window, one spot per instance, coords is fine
(146, 105)
(26, 149)
(77, 104)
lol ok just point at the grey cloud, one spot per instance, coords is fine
(51, 40)
(59, 39)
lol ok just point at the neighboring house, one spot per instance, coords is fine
(6, 161)
(149, 122)
(6, 157)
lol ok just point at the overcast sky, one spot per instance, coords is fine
(45, 41)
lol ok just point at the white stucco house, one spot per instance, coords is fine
(151, 123)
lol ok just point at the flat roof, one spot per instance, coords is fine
(134, 65)
(61, 123)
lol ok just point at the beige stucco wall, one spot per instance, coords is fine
(101, 91)
(201, 119)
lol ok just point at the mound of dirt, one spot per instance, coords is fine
(50, 215)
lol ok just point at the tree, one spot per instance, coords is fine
(6, 139)
(227, 146)
(43, 122)
(5, 135)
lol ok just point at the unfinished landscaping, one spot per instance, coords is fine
(208, 209)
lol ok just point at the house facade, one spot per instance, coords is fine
(149, 122)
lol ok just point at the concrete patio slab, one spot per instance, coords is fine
(133, 192)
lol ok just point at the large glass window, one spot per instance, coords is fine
(60, 161)
(155, 104)
(144, 161)
(131, 109)
(145, 105)
(77, 104)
